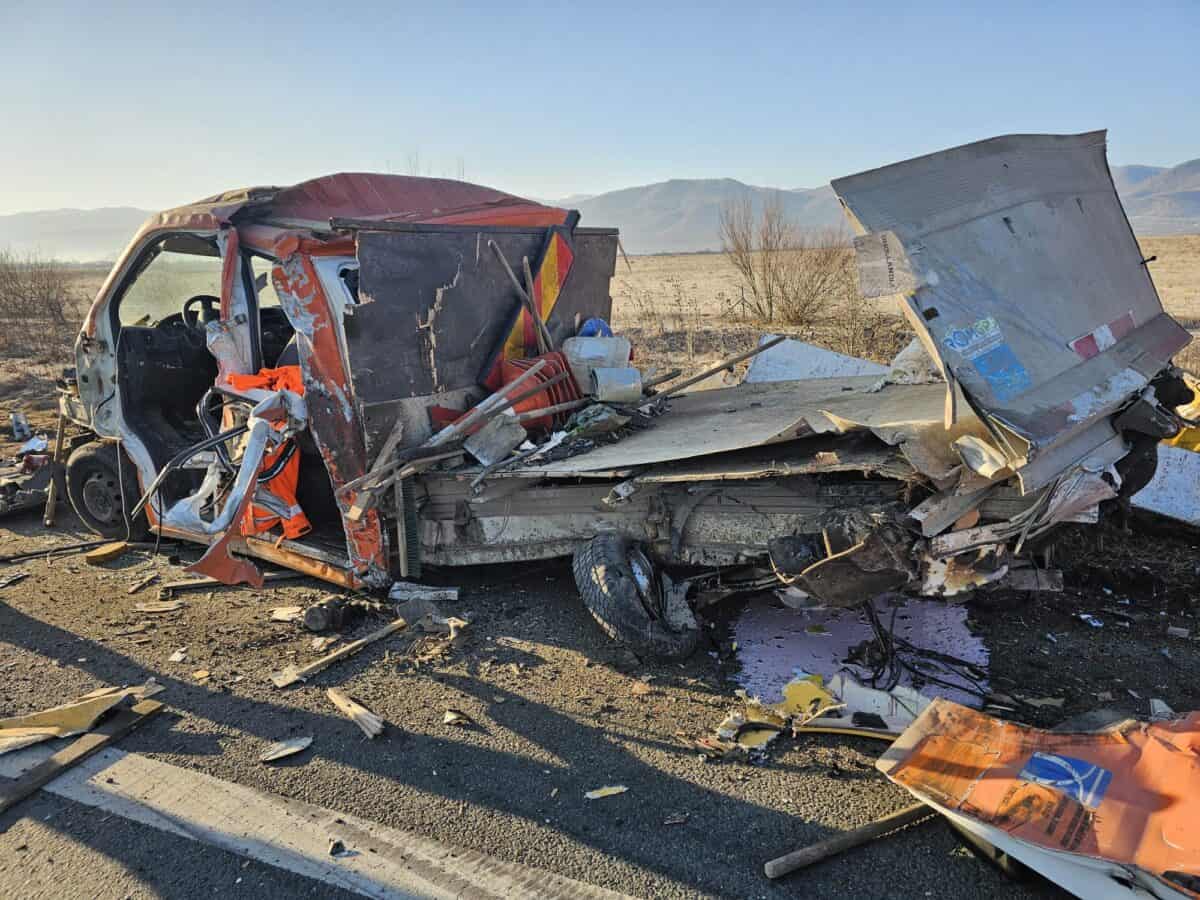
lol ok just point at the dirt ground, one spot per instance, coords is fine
(557, 709)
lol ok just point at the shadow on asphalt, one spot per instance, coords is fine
(514, 785)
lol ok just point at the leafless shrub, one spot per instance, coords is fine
(1188, 358)
(793, 275)
(40, 310)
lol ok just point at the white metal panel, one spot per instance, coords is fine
(1031, 284)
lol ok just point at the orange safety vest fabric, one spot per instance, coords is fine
(285, 378)
(279, 473)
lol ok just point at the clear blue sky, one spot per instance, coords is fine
(155, 104)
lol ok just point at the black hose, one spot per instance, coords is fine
(210, 430)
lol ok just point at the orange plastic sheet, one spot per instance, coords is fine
(1105, 813)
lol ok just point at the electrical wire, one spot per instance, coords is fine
(898, 656)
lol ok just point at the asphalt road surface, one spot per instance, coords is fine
(555, 715)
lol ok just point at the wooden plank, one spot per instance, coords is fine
(839, 843)
(292, 674)
(117, 726)
(188, 584)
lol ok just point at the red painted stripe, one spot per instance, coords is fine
(1121, 325)
(1085, 346)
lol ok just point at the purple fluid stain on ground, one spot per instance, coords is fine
(776, 643)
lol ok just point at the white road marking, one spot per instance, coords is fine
(290, 834)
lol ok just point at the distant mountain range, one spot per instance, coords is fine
(675, 216)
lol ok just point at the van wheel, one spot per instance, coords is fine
(627, 598)
(95, 491)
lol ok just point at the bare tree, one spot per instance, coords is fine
(40, 310)
(793, 275)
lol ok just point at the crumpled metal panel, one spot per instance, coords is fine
(907, 416)
(1030, 284)
(334, 420)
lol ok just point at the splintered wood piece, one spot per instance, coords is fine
(292, 674)
(105, 552)
(370, 724)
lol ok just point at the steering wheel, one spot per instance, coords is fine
(210, 303)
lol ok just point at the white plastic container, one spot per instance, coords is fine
(616, 385)
(586, 353)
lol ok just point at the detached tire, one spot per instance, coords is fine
(627, 599)
(95, 491)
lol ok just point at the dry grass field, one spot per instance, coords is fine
(683, 310)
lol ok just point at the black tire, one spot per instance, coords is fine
(650, 621)
(95, 491)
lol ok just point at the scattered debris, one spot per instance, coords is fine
(292, 674)
(1160, 710)
(369, 723)
(1176, 631)
(160, 606)
(641, 688)
(457, 717)
(201, 674)
(404, 591)
(609, 791)
(447, 625)
(923, 638)
(338, 612)
(324, 643)
(677, 819)
(9, 580)
(178, 656)
(144, 582)
(1044, 702)
(1089, 619)
(171, 588)
(287, 613)
(20, 426)
(286, 748)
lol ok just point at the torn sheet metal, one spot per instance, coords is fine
(1031, 286)
(811, 456)
(437, 306)
(334, 420)
(1175, 489)
(794, 360)
(1109, 813)
(750, 415)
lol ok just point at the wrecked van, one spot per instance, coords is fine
(296, 375)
